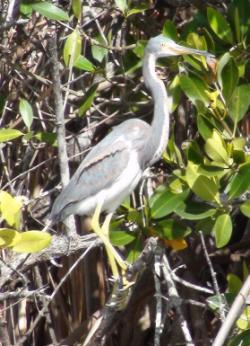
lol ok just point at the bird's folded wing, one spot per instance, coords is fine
(94, 174)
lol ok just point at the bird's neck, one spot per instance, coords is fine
(158, 138)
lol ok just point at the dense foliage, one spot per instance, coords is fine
(200, 189)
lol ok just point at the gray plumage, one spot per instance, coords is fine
(113, 168)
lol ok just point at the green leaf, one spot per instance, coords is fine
(8, 237)
(206, 188)
(165, 202)
(175, 92)
(47, 9)
(199, 42)
(243, 322)
(245, 208)
(172, 229)
(32, 241)
(214, 302)
(196, 41)
(239, 143)
(194, 211)
(88, 99)
(228, 75)
(240, 13)
(84, 64)
(201, 185)
(205, 127)
(205, 225)
(240, 182)
(121, 238)
(216, 149)
(223, 230)
(195, 89)
(140, 9)
(26, 112)
(234, 283)
(72, 48)
(169, 30)
(239, 103)
(7, 135)
(211, 171)
(241, 339)
(122, 5)
(134, 251)
(10, 208)
(25, 9)
(219, 25)
(139, 49)
(77, 8)
(47, 137)
(99, 52)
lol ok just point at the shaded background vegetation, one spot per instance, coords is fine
(202, 182)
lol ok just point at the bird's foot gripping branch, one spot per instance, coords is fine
(117, 264)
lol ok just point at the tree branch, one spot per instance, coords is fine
(234, 313)
(60, 246)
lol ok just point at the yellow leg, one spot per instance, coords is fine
(103, 233)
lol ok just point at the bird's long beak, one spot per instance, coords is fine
(182, 50)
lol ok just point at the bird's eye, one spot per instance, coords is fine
(163, 44)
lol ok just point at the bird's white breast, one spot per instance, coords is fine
(111, 197)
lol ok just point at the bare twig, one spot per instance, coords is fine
(234, 313)
(62, 150)
(190, 285)
(45, 306)
(59, 247)
(60, 124)
(12, 10)
(4, 336)
(176, 301)
(158, 296)
(222, 303)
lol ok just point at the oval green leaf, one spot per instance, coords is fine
(76, 7)
(205, 127)
(172, 229)
(47, 9)
(84, 64)
(223, 230)
(194, 211)
(245, 208)
(26, 112)
(121, 238)
(7, 135)
(72, 48)
(8, 237)
(234, 283)
(169, 30)
(32, 241)
(165, 202)
(10, 208)
(88, 99)
(99, 51)
(219, 25)
(239, 103)
(195, 89)
(215, 148)
(240, 182)
(122, 5)
(134, 251)
(205, 188)
(228, 75)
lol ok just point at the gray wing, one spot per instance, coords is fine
(102, 166)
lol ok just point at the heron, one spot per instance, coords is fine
(113, 168)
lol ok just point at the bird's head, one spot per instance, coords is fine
(161, 46)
